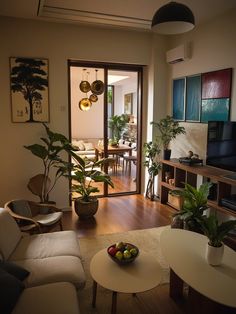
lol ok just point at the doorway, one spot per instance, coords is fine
(111, 125)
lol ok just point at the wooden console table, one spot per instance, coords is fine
(181, 173)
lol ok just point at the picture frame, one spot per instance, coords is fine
(29, 89)
(128, 103)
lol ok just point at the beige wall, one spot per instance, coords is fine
(58, 43)
(213, 47)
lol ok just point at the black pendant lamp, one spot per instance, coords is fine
(173, 18)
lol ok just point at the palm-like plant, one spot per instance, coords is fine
(194, 205)
(117, 124)
(214, 231)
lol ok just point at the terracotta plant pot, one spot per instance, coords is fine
(214, 254)
(84, 209)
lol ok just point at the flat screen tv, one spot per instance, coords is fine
(221, 145)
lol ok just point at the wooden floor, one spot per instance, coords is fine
(120, 214)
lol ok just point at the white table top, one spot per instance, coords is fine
(185, 252)
(141, 275)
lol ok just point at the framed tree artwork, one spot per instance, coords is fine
(29, 89)
(128, 103)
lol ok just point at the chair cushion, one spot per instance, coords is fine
(14, 269)
(49, 219)
(54, 269)
(21, 207)
(10, 290)
(46, 245)
(54, 298)
(10, 234)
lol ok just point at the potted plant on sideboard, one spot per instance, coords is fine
(84, 173)
(117, 124)
(54, 166)
(194, 205)
(215, 233)
(168, 129)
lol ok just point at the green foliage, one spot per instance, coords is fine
(49, 153)
(214, 231)
(118, 125)
(152, 157)
(194, 205)
(85, 173)
(168, 129)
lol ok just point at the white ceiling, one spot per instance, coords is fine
(131, 14)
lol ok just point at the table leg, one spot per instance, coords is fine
(176, 285)
(114, 301)
(94, 293)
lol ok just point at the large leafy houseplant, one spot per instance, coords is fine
(85, 173)
(118, 125)
(194, 205)
(54, 166)
(152, 163)
(168, 129)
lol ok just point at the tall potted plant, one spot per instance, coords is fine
(216, 233)
(54, 166)
(168, 129)
(117, 124)
(84, 173)
(152, 162)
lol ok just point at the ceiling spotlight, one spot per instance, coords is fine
(173, 18)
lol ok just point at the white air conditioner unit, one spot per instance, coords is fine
(178, 54)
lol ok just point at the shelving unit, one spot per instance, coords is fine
(181, 173)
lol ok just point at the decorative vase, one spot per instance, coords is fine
(166, 154)
(214, 254)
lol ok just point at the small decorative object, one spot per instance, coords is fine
(123, 252)
(167, 176)
(168, 129)
(216, 233)
(85, 172)
(152, 162)
(29, 90)
(93, 98)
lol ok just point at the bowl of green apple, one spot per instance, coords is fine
(123, 252)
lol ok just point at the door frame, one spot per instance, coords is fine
(121, 67)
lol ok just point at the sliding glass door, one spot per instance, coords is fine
(105, 123)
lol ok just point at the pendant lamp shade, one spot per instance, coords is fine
(173, 18)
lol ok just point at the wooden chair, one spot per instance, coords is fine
(32, 216)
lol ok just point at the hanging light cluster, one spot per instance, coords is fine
(96, 88)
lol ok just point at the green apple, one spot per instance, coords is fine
(134, 251)
(119, 245)
(127, 254)
(128, 247)
(119, 255)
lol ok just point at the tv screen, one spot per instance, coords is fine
(221, 145)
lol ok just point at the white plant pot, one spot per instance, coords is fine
(214, 254)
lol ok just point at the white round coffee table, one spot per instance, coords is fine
(141, 275)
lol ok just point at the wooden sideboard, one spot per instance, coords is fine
(181, 173)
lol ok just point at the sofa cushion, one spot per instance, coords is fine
(8, 226)
(55, 298)
(14, 269)
(46, 245)
(10, 290)
(54, 269)
(88, 146)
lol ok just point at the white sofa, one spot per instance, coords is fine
(86, 147)
(54, 263)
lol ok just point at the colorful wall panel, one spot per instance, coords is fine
(179, 99)
(193, 98)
